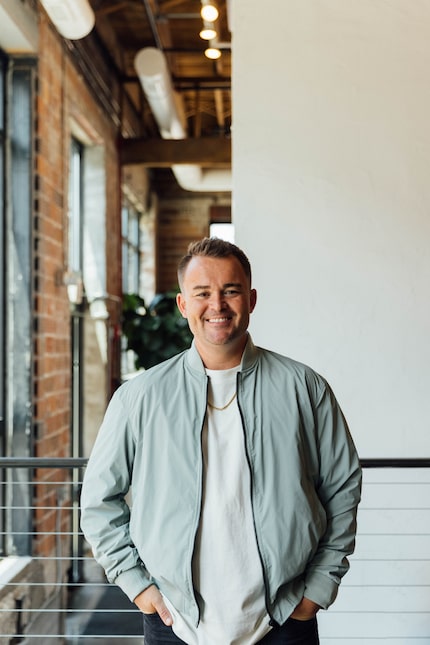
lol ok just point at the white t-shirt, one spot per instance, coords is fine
(227, 572)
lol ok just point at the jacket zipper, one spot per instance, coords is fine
(265, 582)
(200, 510)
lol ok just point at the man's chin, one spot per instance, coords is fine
(221, 339)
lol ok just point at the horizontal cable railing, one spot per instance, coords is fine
(51, 588)
(384, 598)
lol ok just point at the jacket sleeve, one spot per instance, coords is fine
(105, 514)
(339, 490)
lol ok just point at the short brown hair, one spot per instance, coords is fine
(213, 247)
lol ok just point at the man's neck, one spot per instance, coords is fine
(222, 357)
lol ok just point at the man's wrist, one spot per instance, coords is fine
(306, 610)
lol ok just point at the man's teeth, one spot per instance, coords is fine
(217, 320)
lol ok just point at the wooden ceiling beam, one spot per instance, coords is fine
(164, 153)
(197, 116)
(219, 107)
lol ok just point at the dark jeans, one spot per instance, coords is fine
(293, 632)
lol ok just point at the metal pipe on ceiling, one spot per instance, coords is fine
(153, 23)
(151, 66)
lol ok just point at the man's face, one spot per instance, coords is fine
(217, 300)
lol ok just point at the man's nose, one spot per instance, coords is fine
(218, 301)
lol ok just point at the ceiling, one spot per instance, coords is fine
(126, 26)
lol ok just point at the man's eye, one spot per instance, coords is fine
(230, 292)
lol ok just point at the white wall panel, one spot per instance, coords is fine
(331, 152)
(331, 157)
(386, 594)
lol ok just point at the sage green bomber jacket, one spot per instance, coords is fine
(305, 480)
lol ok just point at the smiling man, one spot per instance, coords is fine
(244, 477)
(217, 300)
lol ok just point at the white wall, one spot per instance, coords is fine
(331, 157)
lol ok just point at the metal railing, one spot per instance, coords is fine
(50, 586)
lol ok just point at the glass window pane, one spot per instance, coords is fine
(130, 249)
(124, 221)
(222, 231)
(75, 207)
(2, 255)
(134, 229)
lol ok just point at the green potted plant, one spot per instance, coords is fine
(156, 331)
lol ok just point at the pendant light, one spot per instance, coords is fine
(209, 11)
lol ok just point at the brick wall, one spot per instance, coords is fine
(52, 358)
(52, 318)
(63, 99)
(180, 221)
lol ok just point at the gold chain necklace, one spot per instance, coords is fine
(214, 407)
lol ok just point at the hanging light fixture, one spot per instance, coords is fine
(209, 11)
(213, 53)
(74, 19)
(208, 32)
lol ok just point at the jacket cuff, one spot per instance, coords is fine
(133, 581)
(321, 589)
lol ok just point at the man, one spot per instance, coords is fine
(244, 478)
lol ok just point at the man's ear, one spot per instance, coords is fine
(253, 299)
(180, 301)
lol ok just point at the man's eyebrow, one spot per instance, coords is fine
(227, 285)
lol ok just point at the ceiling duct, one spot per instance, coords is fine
(166, 107)
(74, 19)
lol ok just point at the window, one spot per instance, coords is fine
(130, 249)
(16, 163)
(225, 231)
(2, 253)
(74, 256)
(75, 201)
(74, 286)
(87, 291)
(2, 292)
(131, 264)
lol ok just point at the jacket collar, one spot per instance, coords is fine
(249, 357)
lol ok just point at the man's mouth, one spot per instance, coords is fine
(218, 320)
